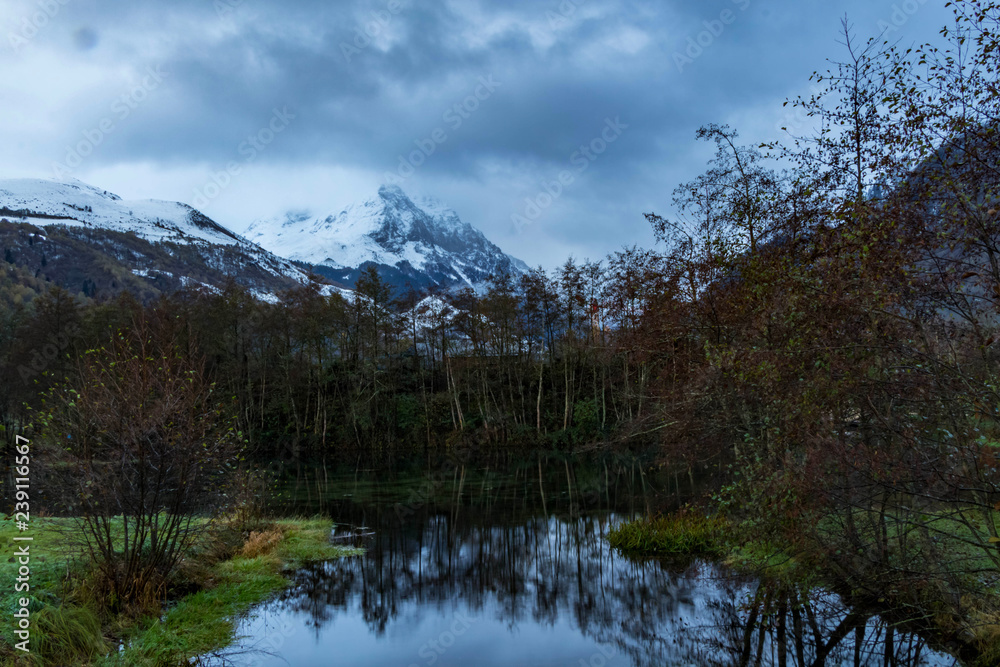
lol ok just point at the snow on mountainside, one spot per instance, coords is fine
(422, 243)
(76, 203)
(78, 206)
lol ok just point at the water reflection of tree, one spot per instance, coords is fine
(787, 625)
(543, 569)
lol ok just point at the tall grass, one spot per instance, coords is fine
(67, 635)
(684, 533)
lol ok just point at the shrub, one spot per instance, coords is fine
(149, 448)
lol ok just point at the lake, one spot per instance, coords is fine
(467, 565)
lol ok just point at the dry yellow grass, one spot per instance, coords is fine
(262, 542)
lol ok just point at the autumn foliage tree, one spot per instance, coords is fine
(842, 364)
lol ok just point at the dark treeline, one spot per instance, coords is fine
(543, 360)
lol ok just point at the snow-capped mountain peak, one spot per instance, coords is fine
(421, 243)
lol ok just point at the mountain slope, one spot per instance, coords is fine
(74, 203)
(89, 240)
(420, 244)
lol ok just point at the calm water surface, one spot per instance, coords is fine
(472, 567)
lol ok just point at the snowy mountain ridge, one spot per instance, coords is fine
(100, 217)
(74, 203)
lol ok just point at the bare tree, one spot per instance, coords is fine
(149, 447)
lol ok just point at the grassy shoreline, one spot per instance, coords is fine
(220, 581)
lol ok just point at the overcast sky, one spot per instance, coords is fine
(251, 108)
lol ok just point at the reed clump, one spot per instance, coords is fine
(682, 533)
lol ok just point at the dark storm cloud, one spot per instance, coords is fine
(382, 100)
(562, 69)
